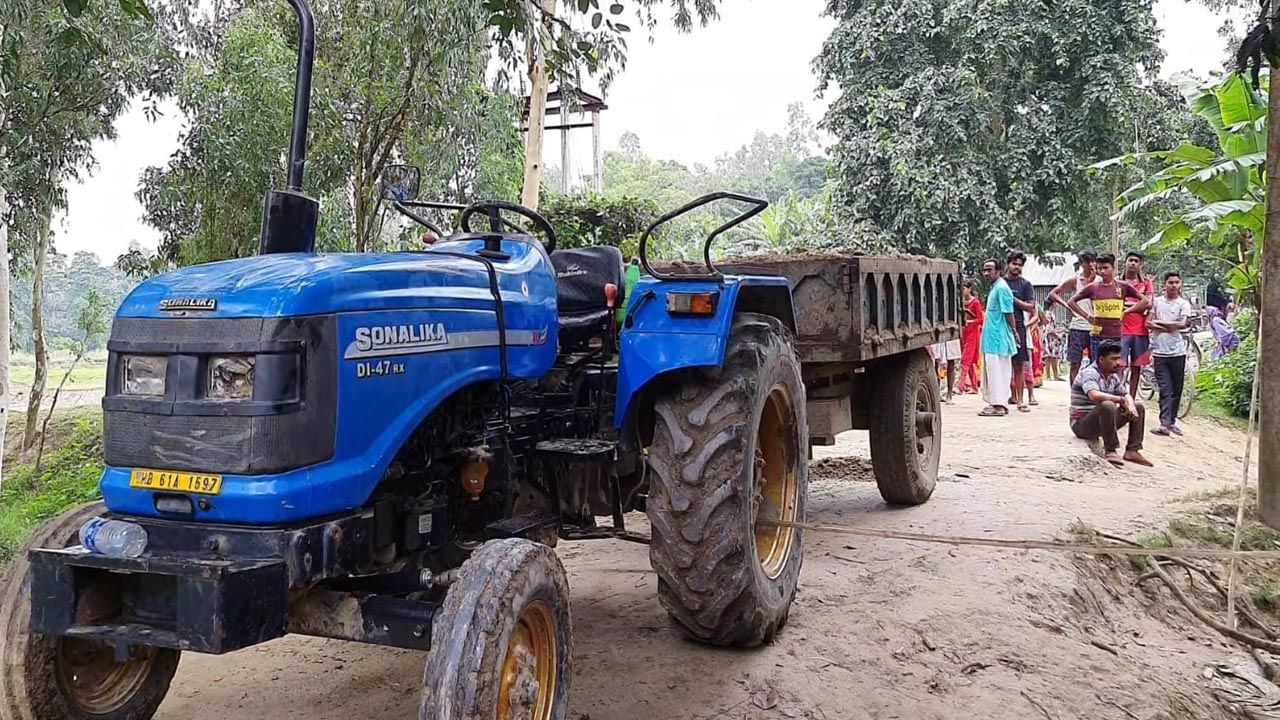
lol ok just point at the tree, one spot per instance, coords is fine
(962, 128)
(375, 102)
(559, 47)
(1213, 198)
(1262, 47)
(72, 76)
(16, 32)
(92, 322)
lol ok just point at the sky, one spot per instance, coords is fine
(688, 98)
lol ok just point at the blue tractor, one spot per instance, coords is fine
(386, 447)
(383, 447)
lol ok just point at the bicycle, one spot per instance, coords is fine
(1147, 385)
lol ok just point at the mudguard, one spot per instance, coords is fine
(655, 342)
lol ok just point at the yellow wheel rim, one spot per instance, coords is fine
(777, 481)
(530, 671)
(93, 681)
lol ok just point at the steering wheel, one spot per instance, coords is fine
(492, 209)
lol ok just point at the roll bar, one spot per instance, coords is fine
(757, 206)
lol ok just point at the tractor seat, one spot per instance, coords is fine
(581, 274)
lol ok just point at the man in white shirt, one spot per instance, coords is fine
(1170, 313)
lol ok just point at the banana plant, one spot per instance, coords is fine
(1209, 196)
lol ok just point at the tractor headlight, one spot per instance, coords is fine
(143, 374)
(231, 377)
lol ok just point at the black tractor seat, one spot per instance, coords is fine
(581, 276)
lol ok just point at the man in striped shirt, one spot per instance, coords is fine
(1101, 405)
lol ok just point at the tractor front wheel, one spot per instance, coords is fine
(45, 678)
(729, 454)
(502, 640)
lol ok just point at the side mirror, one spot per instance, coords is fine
(400, 182)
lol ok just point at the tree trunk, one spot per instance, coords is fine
(1269, 329)
(37, 332)
(4, 310)
(537, 114)
(358, 211)
(44, 426)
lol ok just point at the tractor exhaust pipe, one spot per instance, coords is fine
(301, 93)
(289, 217)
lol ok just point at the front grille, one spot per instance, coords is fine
(185, 436)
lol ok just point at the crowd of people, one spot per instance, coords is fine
(1119, 323)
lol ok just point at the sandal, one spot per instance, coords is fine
(1033, 402)
(1161, 431)
(1024, 408)
(992, 411)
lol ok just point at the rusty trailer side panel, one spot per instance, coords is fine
(859, 308)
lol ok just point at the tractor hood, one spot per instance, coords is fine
(296, 284)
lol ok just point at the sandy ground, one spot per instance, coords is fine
(880, 629)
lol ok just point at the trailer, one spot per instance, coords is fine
(863, 326)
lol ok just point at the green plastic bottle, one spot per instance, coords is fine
(629, 285)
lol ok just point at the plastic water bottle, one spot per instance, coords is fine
(113, 538)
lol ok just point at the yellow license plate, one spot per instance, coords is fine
(200, 483)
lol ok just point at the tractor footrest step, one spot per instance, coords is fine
(534, 526)
(577, 450)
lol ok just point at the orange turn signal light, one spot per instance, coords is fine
(692, 303)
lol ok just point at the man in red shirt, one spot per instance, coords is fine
(1135, 343)
(1108, 296)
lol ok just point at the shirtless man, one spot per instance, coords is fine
(1079, 330)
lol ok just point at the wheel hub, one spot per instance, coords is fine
(777, 482)
(928, 425)
(94, 681)
(530, 672)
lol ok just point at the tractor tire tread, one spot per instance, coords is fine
(471, 631)
(900, 477)
(709, 579)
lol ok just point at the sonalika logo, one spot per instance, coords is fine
(383, 337)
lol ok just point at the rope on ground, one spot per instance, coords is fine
(1047, 545)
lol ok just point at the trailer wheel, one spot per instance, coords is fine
(43, 678)
(729, 449)
(906, 429)
(502, 639)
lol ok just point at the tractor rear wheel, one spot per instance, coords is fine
(730, 450)
(502, 640)
(906, 428)
(44, 678)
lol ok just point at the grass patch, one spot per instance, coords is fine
(87, 376)
(68, 476)
(1210, 409)
(1222, 494)
(1211, 524)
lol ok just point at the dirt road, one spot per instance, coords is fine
(879, 630)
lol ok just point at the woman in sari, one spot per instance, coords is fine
(1225, 337)
(970, 340)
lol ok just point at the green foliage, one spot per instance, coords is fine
(1228, 381)
(962, 128)
(785, 168)
(581, 35)
(386, 89)
(64, 78)
(68, 476)
(1211, 200)
(587, 220)
(70, 283)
